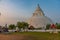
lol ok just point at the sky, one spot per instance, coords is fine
(17, 10)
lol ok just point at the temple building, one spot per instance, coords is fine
(38, 19)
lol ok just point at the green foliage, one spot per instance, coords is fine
(19, 24)
(12, 26)
(47, 26)
(22, 25)
(58, 26)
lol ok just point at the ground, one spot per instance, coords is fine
(30, 36)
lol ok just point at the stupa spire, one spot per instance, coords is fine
(38, 8)
(38, 11)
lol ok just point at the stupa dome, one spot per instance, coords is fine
(39, 20)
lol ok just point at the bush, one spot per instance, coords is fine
(47, 26)
(58, 26)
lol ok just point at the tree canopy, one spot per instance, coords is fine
(22, 25)
(12, 26)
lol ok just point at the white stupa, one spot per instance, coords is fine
(39, 20)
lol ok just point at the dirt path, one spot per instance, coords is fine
(11, 37)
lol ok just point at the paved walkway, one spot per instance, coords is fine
(43, 30)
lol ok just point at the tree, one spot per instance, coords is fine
(0, 28)
(19, 25)
(12, 26)
(25, 25)
(22, 25)
(58, 25)
(48, 26)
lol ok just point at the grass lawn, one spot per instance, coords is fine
(30, 36)
(39, 35)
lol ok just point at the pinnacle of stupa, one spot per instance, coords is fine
(38, 11)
